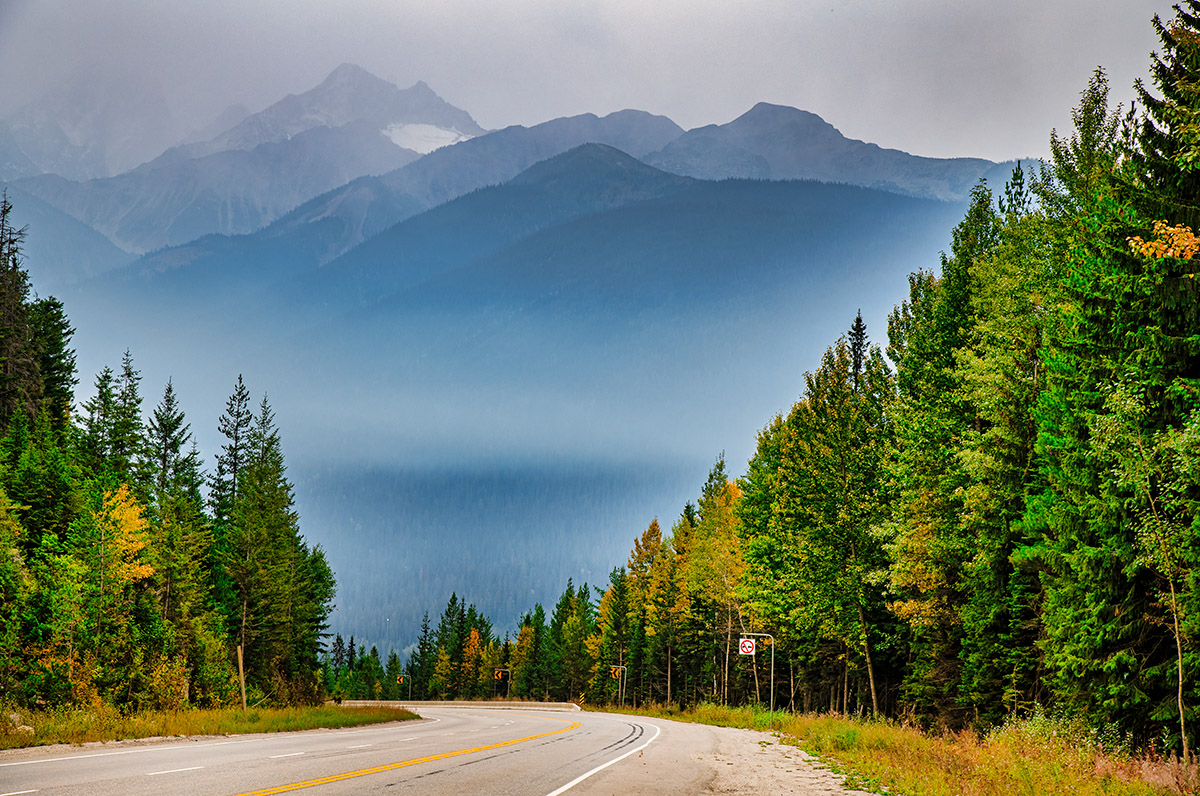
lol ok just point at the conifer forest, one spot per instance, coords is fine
(129, 578)
(989, 507)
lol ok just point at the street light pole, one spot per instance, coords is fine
(771, 715)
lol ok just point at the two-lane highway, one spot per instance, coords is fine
(451, 751)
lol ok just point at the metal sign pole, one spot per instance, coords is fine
(498, 673)
(620, 674)
(771, 715)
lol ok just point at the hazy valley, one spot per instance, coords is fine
(517, 348)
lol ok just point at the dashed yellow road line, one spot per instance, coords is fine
(405, 763)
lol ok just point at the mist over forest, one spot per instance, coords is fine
(492, 362)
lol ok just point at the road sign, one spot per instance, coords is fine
(399, 679)
(615, 672)
(499, 675)
(746, 646)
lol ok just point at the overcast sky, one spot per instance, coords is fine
(933, 77)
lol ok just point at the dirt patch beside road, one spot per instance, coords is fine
(754, 763)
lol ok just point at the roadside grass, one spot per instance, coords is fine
(1035, 756)
(76, 726)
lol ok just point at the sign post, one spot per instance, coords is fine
(619, 673)
(746, 647)
(506, 675)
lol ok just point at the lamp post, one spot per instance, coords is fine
(771, 715)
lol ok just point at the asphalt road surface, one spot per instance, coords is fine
(455, 751)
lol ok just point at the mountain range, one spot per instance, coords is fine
(327, 169)
(352, 124)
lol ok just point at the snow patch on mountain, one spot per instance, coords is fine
(423, 138)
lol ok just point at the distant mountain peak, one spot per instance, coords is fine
(591, 159)
(770, 111)
(784, 119)
(348, 95)
(348, 71)
(779, 142)
(352, 79)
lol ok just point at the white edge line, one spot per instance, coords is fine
(289, 754)
(173, 771)
(164, 747)
(17, 792)
(360, 746)
(603, 766)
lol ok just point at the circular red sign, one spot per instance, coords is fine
(746, 646)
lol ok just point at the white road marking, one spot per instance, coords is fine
(17, 792)
(289, 754)
(603, 766)
(110, 754)
(360, 746)
(173, 771)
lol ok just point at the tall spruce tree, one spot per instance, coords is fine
(52, 332)
(20, 379)
(234, 425)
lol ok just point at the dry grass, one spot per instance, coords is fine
(81, 726)
(1036, 756)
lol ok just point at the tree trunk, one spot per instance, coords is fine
(862, 622)
(668, 674)
(728, 641)
(1179, 663)
(846, 684)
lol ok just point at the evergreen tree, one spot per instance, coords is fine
(1166, 149)
(171, 454)
(56, 360)
(858, 346)
(609, 645)
(422, 660)
(20, 379)
(234, 425)
(127, 441)
(101, 408)
(282, 588)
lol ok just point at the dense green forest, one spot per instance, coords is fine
(129, 578)
(999, 510)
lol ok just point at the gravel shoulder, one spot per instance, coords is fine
(751, 762)
(698, 759)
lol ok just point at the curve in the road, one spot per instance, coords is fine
(603, 766)
(571, 725)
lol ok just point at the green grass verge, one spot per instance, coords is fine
(1037, 756)
(75, 726)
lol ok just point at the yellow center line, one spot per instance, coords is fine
(403, 764)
